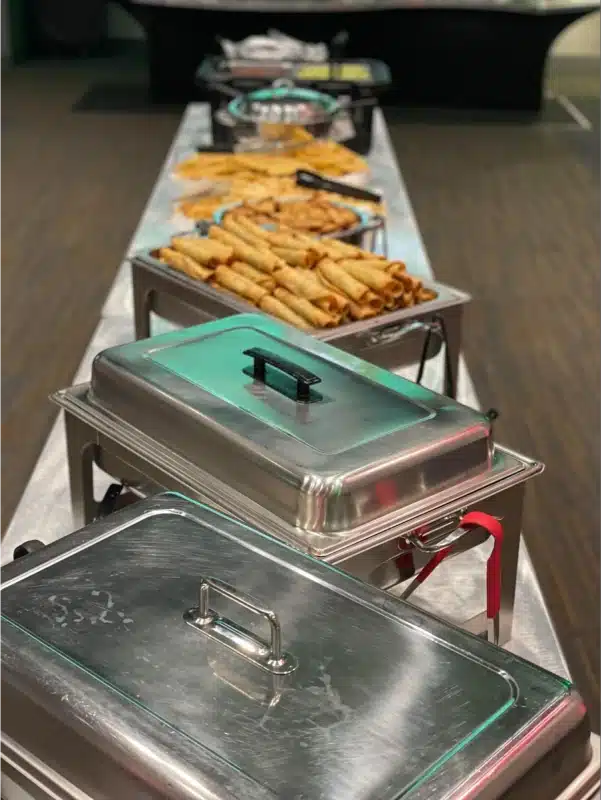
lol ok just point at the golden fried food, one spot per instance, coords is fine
(183, 263)
(261, 278)
(274, 306)
(200, 250)
(376, 279)
(255, 176)
(261, 259)
(303, 284)
(300, 279)
(343, 280)
(297, 258)
(314, 215)
(246, 288)
(315, 316)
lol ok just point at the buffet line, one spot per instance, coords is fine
(235, 618)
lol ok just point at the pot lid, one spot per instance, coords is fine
(321, 438)
(215, 650)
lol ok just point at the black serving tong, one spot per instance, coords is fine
(311, 180)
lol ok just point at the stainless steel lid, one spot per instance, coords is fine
(324, 440)
(214, 661)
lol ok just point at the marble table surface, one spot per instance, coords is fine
(44, 510)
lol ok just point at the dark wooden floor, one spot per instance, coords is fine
(515, 222)
(509, 213)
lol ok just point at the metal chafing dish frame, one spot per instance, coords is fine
(391, 340)
(97, 438)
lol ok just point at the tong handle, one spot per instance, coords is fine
(478, 519)
(312, 180)
(471, 521)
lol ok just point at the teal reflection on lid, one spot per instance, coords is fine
(341, 410)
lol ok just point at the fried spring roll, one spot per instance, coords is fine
(297, 258)
(247, 289)
(234, 227)
(259, 258)
(378, 263)
(261, 278)
(353, 288)
(306, 309)
(222, 251)
(375, 301)
(345, 250)
(301, 240)
(378, 280)
(184, 263)
(196, 248)
(359, 311)
(221, 288)
(425, 295)
(287, 241)
(410, 283)
(395, 268)
(303, 284)
(274, 306)
(342, 301)
(371, 299)
(252, 228)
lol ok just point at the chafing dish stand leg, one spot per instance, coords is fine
(81, 452)
(142, 295)
(453, 319)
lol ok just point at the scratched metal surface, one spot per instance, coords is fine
(115, 606)
(44, 510)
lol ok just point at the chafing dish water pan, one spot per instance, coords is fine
(335, 456)
(191, 657)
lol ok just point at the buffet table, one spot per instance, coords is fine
(44, 511)
(467, 54)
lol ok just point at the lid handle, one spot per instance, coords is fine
(269, 657)
(304, 379)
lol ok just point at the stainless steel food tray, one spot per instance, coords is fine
(390, 340)
(359, 443)
(142, 634)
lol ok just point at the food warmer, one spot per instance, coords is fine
(333, 455)
(360, 81)
(169, 651)
(392, 340)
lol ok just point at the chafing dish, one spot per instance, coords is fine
(335, 456)
(170, 651)
(392, 340)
